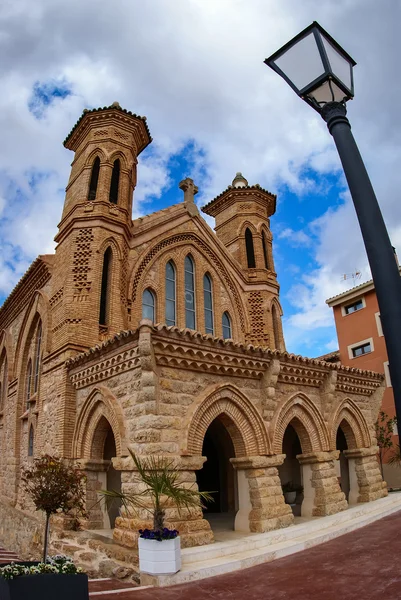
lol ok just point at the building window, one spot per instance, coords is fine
(250, 253)
(190, 320)
(148, 305)
(30, 441)
(227, 334)
(379, 324)
(115, 180)
(362, 349)
(37, 357)
(170, 294)
(387, 374)
(208, 302)
(264, 245)
(4, 383)
(28, 386)
(94, 179)
(276, 328)
(351, 308)
(105, 289)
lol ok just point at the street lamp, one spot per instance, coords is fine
(320, 71)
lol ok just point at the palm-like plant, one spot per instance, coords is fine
(395, 458)
(162, 487)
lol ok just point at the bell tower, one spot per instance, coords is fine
(242, 222)
(89, 282)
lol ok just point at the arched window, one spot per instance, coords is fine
(115, 180)
(105, 289)
(170, 294)
(28, 384)
(250, 253)
(208, 303)
(265, 251)
(37, 357)
(148, 305)
(276, 328)
(30, 441)
(227, 334)
(94, 179)
(4, 383)
(190, 320)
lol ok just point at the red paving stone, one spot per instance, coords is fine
(362, 565)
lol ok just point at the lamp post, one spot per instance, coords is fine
(320, 71)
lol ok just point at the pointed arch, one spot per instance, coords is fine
(250, 251)
(115, 182)
(241, 417)
(100, 404)
(149, 304)
(38, 309)
(6, 345)
(353, 423)
(305, 417)
(190, 292)
(94, 179)
(276, 314)
(170, 293)
(208, 303)
(3, 378)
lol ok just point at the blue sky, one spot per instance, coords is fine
(195, 69)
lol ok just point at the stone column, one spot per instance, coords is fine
(262, 504)
(193, 528)
(322, 492)
(366, 482)
(95, 471)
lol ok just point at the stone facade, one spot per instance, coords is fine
(159, 336)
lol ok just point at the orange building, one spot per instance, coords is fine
(362, 345)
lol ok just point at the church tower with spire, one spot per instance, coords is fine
(89, 301)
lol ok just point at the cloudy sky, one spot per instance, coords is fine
(195, 69)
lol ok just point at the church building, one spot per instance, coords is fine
(164, 337)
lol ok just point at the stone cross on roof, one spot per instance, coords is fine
(190, 189)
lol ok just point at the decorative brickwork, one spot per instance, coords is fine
(258, 334)
(81, 260)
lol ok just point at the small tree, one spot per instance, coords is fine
(384, 435)
(55, 486)
(161, 487)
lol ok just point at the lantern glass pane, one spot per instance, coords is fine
(340, 66)
(323, 93)
(302, 63)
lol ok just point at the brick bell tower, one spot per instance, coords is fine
(88, 300)
(242, 222)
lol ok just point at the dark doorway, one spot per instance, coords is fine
(217, 474)
(341, 444)
(113, 477)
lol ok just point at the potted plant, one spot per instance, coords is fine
(58, 578)
(159, 548)
(290, 491)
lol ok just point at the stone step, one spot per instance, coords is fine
(225, 557)
(262, 540)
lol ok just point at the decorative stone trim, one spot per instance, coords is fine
(119, 363)
(354, 425)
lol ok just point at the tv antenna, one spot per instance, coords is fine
(353, 276)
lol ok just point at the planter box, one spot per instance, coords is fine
(290, 497)
(158, 558)
(48, 586)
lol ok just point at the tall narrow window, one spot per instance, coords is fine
(265, 251)
(94, 179)
(189, 293)
(37, 357)
(276, 328)
(227, 334)
(4, 383)
(170, 294)
(148, 305)
(208, 302)
(250, 253)
(28, 384)
(105, 291)
(30, 441)
(115, 180)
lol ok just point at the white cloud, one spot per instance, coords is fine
(295, 238)
(194, 67)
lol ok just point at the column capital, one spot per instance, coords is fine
(257, 462)
(361, 452)
(318, 457)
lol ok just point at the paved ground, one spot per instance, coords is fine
(362, 565)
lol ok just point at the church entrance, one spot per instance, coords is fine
(218, 476)
(290, 471)
(342, 464)
(104, 449)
